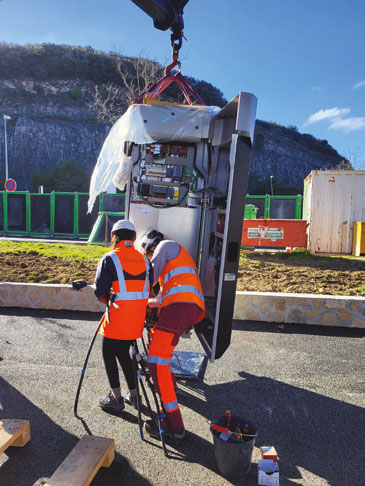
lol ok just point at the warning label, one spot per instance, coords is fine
(266, 232)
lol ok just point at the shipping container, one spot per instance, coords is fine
(333, 200)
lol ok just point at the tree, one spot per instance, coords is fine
(136, 75)
(356, 158)
(109, 103)
(67, 176)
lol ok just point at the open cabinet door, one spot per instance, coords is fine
(233, 130)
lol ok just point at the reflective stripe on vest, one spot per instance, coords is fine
(171, 406)
(178, 271)
(181, 289)
(158, 360)
(124, 294)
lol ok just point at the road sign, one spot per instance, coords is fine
(10, 185)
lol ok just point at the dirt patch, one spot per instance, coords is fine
(257, 272)
(301, 274)
(34, 268)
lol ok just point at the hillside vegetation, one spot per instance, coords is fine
(46, 62)
(62, 101)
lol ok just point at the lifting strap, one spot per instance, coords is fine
(168, 78)
(157, 88)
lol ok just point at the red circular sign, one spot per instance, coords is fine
(10, 185)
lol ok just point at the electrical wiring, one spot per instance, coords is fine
(163, 207)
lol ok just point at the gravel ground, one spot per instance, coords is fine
(301, 386)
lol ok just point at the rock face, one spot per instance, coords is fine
(290, 156)
(49, 122)
(55, 120)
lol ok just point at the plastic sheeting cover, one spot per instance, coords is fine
(145, 124)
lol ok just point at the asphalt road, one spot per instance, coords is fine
(301, 386)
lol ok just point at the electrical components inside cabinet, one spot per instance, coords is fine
(164, 173)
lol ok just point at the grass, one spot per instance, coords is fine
(93, 253)
(68, 251)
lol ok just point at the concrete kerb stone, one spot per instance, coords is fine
(50, 296)
(325, 310)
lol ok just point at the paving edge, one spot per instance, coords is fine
(325, 310)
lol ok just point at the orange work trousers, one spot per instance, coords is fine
(174, 319)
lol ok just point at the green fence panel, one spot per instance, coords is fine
(277, 207)
(65, 214)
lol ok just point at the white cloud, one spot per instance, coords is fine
(337, 119)
(349, 124)
(330, 113)
(360, 84)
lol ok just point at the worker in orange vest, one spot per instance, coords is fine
(122, 283)
(181, 306)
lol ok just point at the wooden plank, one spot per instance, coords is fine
(13, 432)
(41, 482)
(157, 102)
(84, 461)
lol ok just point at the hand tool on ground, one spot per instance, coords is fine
(78, 284)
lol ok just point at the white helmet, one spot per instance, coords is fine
(152, 238)
(123, 224)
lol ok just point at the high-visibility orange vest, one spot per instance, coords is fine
(180, 282)
(132, 290)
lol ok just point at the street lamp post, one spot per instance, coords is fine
(6, 117)
(272, 191)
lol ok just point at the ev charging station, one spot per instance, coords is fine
(185, 172)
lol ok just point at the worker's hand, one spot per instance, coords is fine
(102, 299)
(111, 298)
(111, 301)
(153, 303)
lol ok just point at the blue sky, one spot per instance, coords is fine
(303, 59)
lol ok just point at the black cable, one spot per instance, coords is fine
(138, 377)
(84, 369)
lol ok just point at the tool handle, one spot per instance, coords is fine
(221, 429)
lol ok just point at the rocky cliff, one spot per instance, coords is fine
(50, 121)
(56, 119)
(289, 155)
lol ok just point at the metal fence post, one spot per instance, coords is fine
(267, 207)
(5, 204)
(76, 214)
(27, 212)
(52, 212)
(298, 207)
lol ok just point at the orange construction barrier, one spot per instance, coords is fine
(276, 233)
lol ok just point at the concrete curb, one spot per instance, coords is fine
(324, 310)
(312, 309)
(50, 296)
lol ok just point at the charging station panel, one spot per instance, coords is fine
(193, 190)
(185, 169)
